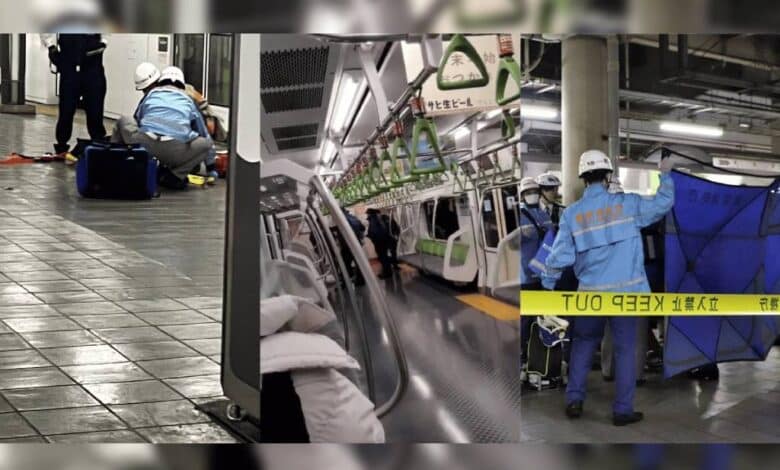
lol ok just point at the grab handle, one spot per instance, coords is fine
(460, 44)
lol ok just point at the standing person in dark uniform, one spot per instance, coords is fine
(380, 237)
(395, 232)
(78, 59)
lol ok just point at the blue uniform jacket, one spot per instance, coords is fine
(530, 239)
(168, 111)
(600, 236)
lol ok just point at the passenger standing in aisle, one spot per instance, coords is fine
(534, 224)
(78, 58)
(169, 125)
(380, 237)
(600, 236)
(395, 232)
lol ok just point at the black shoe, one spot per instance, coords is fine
(170, 181)
(623, 420)
(574, 410)
(640, 382)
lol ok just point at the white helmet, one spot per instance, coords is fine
(548, 179)
(594, 160)
(615, 187)
(145, 75)
(174, 74)
(527, 184)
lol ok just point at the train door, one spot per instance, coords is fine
(500, 220)
(491, 228)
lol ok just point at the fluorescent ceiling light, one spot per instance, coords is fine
(346, 99)
(546, 89)
(328, 152)
(491, 114)
(460, 131)
(691, 129)
(538, 112)
(744, 125)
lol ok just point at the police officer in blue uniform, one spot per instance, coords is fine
(548, 186)
(79, 61)
(600, 236)
(534, 225)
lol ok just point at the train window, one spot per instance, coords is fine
(446, 222)
(428, 211)
(219, 69)
(188, 56)
(490, 221)
(509, 197)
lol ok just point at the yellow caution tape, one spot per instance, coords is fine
(646, 304)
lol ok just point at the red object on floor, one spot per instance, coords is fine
(15, 159)
(221, 164)
(19, 159)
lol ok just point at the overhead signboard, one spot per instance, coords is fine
(460, 67)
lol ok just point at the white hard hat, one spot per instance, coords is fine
(548, 179)
(145, 75)
(527, 184)
(173, 74)
(594, 160)
(615, 187)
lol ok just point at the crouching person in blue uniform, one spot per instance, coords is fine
(534, 224)
(600, 236)
(168, 124)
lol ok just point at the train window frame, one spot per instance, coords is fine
(507, 210)
(451, 201)
(211, 73)
(182, 42)
(489, 194)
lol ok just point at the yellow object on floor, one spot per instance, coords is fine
(495, 308)
(200, 180)
(70, 159)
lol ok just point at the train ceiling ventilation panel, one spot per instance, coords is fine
(295, 85)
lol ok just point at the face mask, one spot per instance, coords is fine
(531, 199)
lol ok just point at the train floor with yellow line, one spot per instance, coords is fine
(453, 343)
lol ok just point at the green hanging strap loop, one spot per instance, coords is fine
(506, 67)
(508, 129)
(422, 125)
(374, 174)
(384, 159)
(460, 44)
(399, 143)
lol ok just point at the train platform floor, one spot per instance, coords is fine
(740, 407)
(110, 311)
(464, 372)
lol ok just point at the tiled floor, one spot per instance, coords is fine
(109, 311)
(741, 407)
